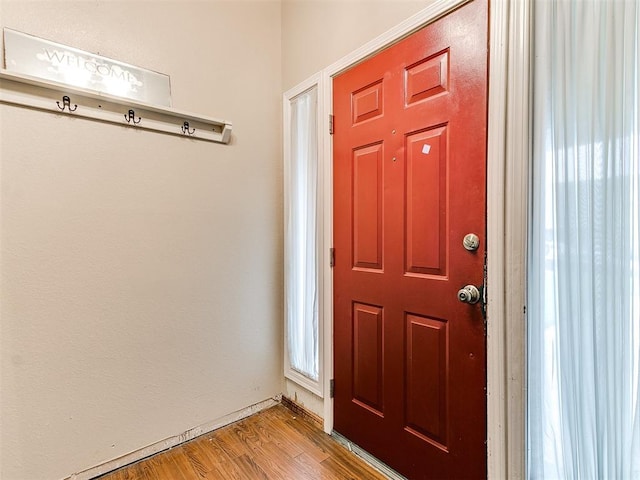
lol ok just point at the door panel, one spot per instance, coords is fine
(409, 184)
(427, 379)
(367, 102)
(367, 357)
(427, 78)
(425, 199)
(367, 207)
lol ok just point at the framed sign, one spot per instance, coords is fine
(36, 57)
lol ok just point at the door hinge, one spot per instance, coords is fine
(331, 123)
(332, 257)
(332, 388)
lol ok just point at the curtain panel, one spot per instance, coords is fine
(583, 298)
(302, 238)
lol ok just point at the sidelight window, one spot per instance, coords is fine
(303, 238)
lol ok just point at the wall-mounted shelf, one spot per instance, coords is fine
(32, 92)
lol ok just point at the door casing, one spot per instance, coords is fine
(507, 218)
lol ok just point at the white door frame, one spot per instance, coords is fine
(508, 155)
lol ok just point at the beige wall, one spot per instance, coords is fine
(141, 273)
(316, 33)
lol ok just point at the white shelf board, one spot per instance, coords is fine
(32, 92)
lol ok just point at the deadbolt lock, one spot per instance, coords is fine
(469, 294)
(471, 242)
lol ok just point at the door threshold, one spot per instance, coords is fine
(367, 457)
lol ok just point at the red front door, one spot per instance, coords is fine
(409, 184)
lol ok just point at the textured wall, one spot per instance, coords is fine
(141, 273)
(316, 33)
(141, 277)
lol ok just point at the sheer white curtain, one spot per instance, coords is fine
(302, 237)
(584, 278)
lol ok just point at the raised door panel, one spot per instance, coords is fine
(426, 201)
(368, 381)
(367, 207)
(427, 379)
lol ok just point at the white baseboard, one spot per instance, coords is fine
(173, 441)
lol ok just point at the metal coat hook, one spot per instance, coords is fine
(130, 117)
(185, 129)
(66, 103)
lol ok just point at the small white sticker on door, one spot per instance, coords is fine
(426, 148)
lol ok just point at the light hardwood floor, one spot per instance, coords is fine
(275, 444)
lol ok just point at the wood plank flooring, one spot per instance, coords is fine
(274, 444)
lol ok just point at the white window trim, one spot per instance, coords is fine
(316, 387)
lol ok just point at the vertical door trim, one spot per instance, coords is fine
(507, 166)
(508, 161)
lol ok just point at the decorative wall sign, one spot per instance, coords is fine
(36, 57)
